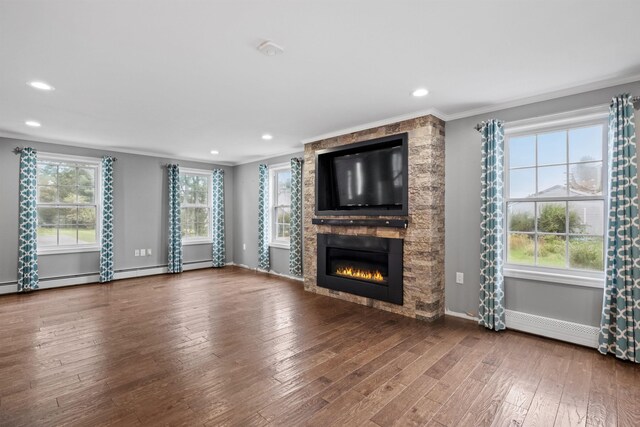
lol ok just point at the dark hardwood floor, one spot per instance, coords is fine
(233, 347)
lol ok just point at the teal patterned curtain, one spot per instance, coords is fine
(218, 218)
(295, 234)
(106, 248)
(491, 310)
(263, 217)
(620, 326)
(175, 229)
(28, 222)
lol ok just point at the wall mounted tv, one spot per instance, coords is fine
(365, 178)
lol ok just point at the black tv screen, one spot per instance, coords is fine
(370, 178)
(366, 178)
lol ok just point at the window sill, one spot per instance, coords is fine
(68, 250)
(196, 242)
(280, 245)
(594, 280)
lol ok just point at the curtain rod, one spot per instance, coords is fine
(18, 150)
(635, 100)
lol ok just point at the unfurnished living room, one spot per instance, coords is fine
(319, 213)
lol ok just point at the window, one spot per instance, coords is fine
(280, 200)
(68, 203)
(195, 203)
(555, 199)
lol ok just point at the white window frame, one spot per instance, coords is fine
(563, 121)
(273, 171)
(208, 174)
(68, 249)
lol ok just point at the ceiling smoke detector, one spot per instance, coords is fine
(269, 48)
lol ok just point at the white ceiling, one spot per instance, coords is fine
(180, 78)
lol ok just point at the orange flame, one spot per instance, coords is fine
(360, 274)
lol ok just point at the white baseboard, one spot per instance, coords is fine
(562, 330)
(95, 278)
(299, 279)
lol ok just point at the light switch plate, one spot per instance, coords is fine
(143, 252)
(460, 278)
(137, 252)
(148, 252)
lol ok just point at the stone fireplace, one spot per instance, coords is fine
(349, 274)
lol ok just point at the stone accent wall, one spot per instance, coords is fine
(423, 238)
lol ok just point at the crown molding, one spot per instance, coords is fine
(503, 105)
(147, 153)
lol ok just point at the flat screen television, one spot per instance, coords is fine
(365, 178)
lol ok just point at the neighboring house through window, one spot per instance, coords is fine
(195, 199)
(555, 199)
(68, 203)
(280, 204)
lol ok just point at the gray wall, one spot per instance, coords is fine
(245, 178)
(462, 215)
(140, 213)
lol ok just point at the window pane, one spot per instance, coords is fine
(86, 194)
(585, 144)
(586, 217)
(285, 231)
(552, 148)
(187, 215)
(552, 181)
(520, 249)
(47, 216)
(586, 253)
(202, 230)
(47, 194)
(522, 183)
(67, 176)
(47, 174)
(280, 232)
(87, 216)
(522, 151)
(201, 197)
(47, 235)
(521, 216)
(585, 179)
(283, 196)
(67, 194)
(87, 234)
(68, 234)
(68, 215)
(552, 251)
(86, 177)
(201, 215)
(552, 217)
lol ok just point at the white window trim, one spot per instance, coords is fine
(273, 242)
(198, 240)
(583, 117)
(70, 249)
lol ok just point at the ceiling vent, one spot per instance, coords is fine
(269, 48)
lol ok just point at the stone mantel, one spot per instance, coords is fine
(424, 236)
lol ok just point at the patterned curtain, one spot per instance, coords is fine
(263, 217)
(491, 310)
(218, 218)
(295, 239)
(106, 248)
(175, 229)
(28, 222)
(620, 326)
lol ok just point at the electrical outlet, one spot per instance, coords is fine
(148, 252)
(137, 252)
(460, 278)
(244, 246)
(143, 252)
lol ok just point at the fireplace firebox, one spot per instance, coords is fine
(361, 265)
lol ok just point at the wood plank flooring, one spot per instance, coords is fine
(233, 347)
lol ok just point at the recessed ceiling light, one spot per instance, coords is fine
(32, 123)
(420, 92)
(267, 136)
(214, 152)
(40, 85)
